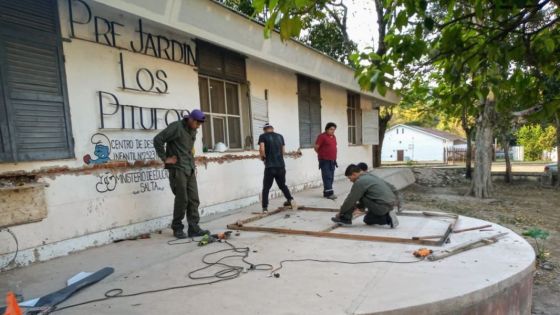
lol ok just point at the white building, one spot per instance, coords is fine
(413, 143)
(86, 85)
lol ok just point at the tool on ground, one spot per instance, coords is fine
(222, 235)
(211, 238)
(465, 246)
(205, 240)
(473, 228)
(422, 252)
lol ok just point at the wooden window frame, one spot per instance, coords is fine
(353, 110)
(223, 116)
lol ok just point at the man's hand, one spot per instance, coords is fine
(171, 160)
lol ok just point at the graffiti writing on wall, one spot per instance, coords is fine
(142, 181)
(106, 149)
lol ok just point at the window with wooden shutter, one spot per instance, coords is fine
(33, 102)
(354, 114)
(309, 110)
(219, 62)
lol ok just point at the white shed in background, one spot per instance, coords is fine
(413, 143)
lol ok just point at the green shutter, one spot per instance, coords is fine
(33, 80)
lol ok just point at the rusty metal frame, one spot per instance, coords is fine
(434, 240)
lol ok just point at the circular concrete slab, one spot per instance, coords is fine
(494, 279)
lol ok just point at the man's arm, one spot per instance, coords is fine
(166, 135)
(318, 143)
(356, 193)
(262, 151)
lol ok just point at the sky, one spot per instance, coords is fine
(362, 25)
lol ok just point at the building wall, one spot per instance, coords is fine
(417, 146)
(91, 206)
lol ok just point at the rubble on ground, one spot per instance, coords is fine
(439, 177)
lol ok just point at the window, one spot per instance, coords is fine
(354, 114)
(34, 115)
(219, 99)
(224, 95)
(309, 108)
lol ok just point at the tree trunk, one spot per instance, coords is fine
(383, 123)
(468, 155)
(468, 131)
(505, 146)
(481, 186)
(557, 150)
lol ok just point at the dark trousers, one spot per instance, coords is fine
(376, 212)
(185, 189)
(327, 172)
(270, 175)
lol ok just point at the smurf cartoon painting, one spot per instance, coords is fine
(101, 150)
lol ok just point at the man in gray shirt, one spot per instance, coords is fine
(372, 194)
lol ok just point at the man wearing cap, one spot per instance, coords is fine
(174, 146)
(271, 150)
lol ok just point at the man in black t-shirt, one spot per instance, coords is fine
(271, 149)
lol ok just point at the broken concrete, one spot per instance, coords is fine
(493, 279)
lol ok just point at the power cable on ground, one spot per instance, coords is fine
(227, 271)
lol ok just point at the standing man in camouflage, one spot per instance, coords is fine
(174, 146)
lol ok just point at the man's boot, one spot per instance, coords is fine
(195, 230)
(180, 234)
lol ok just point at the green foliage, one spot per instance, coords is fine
(537, 233)
(539, 236)
(535, 139)
(324, 35)
(243, 6)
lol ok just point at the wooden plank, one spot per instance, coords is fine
(473, 228)
(426, 237)
(465, 246)
(304, 208)
(260, 216)
(353, 237)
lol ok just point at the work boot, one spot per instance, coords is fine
(392, 218)
(180, 234)
(340, 221)
(291, 203)
(195, 230)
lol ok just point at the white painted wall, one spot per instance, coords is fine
(417, 146)
(79, 215)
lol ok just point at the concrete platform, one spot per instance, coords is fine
(495, 279)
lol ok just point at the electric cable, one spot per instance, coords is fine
(225, 273)
(228, 272)
(17, 248)
(272, 272)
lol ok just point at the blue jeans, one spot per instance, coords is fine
(327, 168)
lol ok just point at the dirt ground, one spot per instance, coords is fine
(518, 206)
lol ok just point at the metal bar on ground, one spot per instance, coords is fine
(354, 237)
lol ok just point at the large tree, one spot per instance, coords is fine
(491, 45)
